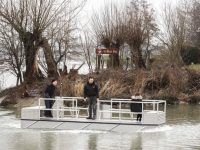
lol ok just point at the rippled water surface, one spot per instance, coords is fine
(181, 131)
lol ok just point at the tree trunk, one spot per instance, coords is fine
(141, 63)
(32, 71)
(17, 80)
(65, 70)
(115, 57)
(51, 64)
(32, 43)
(115, 61)
(20, 78)
(132, 61)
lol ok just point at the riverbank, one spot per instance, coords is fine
(13, 97)
(168, 83)
(6, 101)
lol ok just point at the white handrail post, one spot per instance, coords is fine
(142, 112)
(120, 110)
(39, 109)
(76, 108)
(157, 107)
(98, 116)
(97, 113)
(153, 106)
(57, 108)
(111, 108)
(73, 105)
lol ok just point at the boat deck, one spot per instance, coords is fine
(108, 119)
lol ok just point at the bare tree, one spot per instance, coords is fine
(87, 46)
(194, 23)
(12, 49)
(63, 43)
(109, 27)
(31, 19)
(175, 37)
(141, 28)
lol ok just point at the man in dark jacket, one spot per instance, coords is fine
(92, 93)
(48, 93)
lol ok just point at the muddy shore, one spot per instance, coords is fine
(20, 102)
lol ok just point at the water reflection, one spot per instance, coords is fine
(183, 114)
(136, 142)
(48, 140)
(92, 142)
(25, 140)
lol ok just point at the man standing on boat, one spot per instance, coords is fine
(92, 93)
(48, 93)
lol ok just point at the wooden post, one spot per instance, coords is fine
(99, 61)
(112, 61)
(102, 63)
(96, 63)
(108, 64)
(120, 63)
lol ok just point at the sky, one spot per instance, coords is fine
(92, 5)
(97, 4)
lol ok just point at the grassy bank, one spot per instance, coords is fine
(167, 82)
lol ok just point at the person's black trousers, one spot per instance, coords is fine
(139, 116)
(48, 104)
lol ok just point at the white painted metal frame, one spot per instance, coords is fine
(59, 109)
(120, 111)
(99, 112)
(144, 100)
(79, 108)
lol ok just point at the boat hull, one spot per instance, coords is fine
(84, 124)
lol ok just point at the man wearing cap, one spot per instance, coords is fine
(92, 93)
(48, 93)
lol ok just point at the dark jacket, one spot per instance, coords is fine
(49, 91)
(91, 90)
(136, 107)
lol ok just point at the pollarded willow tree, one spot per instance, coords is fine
(63, 42)
(108, 25)
(132, 23)
(175, 37)
(194, 23)
(141, 28)
(31, 20)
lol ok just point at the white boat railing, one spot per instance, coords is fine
(143, 100)
(77, 98)
(59, 101)
(73, 105)
(128, 101)
(59, 107)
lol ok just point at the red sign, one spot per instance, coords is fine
(107, 51)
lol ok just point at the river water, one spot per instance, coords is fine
(181, 131)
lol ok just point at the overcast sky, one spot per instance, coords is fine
(92, 5)
(96, 4)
